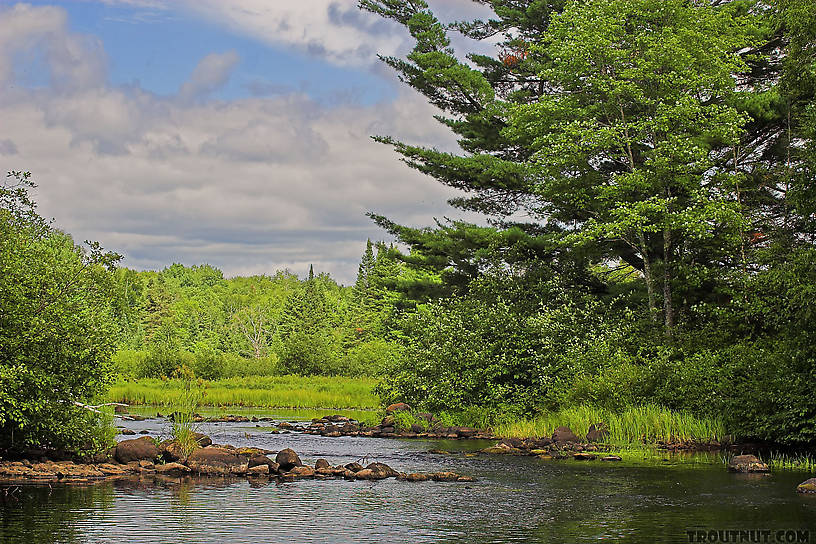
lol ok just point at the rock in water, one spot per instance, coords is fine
(136, 450)
(172, 468)
(746, 463)
(583, 456)
(398, 407)
(565, 434)
(321, 463)
(288, 459)
(597, 433)
(212, 460)
(381, 469)
(808, 486)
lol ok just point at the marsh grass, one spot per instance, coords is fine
(641, 424)
(191, 394)
(784, 461)
(321, 392)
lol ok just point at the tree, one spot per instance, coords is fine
(614, 150)
(56, 328)
(627, 149)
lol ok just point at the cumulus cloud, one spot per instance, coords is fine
(250, 185)
(211, 73)
(75, 61)
(334, 30)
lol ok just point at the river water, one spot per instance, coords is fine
(516, 499)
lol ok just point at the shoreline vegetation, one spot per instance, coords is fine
(642, 426)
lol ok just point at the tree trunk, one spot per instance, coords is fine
(668, 307)
(647, 273)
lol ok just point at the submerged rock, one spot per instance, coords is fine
(746, 463)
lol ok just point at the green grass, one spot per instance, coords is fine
(797, 462)
(321, 392)
(643, 424)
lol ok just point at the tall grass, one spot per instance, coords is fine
(639, 424)
(782, 461)
(262, 391)
(192, 391)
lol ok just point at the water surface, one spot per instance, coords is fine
(516, 499)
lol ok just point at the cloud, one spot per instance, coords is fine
(249, 185)
(334, 30)
(7, 147)
(211, 73)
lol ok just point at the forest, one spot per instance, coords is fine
(645, 170)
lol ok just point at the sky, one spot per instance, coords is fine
(233, 133)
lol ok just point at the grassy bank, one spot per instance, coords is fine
(642, 424)
(261, 391)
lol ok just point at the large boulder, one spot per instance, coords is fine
(808, 486)
(138, 449)
(214, 460)
(288, 459)
(398, 407)
(564, 434)
(746, 463)
(321, 463)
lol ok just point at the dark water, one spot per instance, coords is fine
(517, 499)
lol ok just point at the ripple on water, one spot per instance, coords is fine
(517, 499)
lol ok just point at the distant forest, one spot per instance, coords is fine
(260, 325)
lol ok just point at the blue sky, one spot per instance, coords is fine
(234, 133)
(158, 49)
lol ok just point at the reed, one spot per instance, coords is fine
(804, 462)
(323, 392)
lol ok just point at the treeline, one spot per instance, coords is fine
(256, 326)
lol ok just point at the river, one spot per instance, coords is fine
(515, 499)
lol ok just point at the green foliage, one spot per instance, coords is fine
(56, 328)
(260, 325)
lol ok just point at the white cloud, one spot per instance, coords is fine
(335, 30)
(211, 73)
(251, 185)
